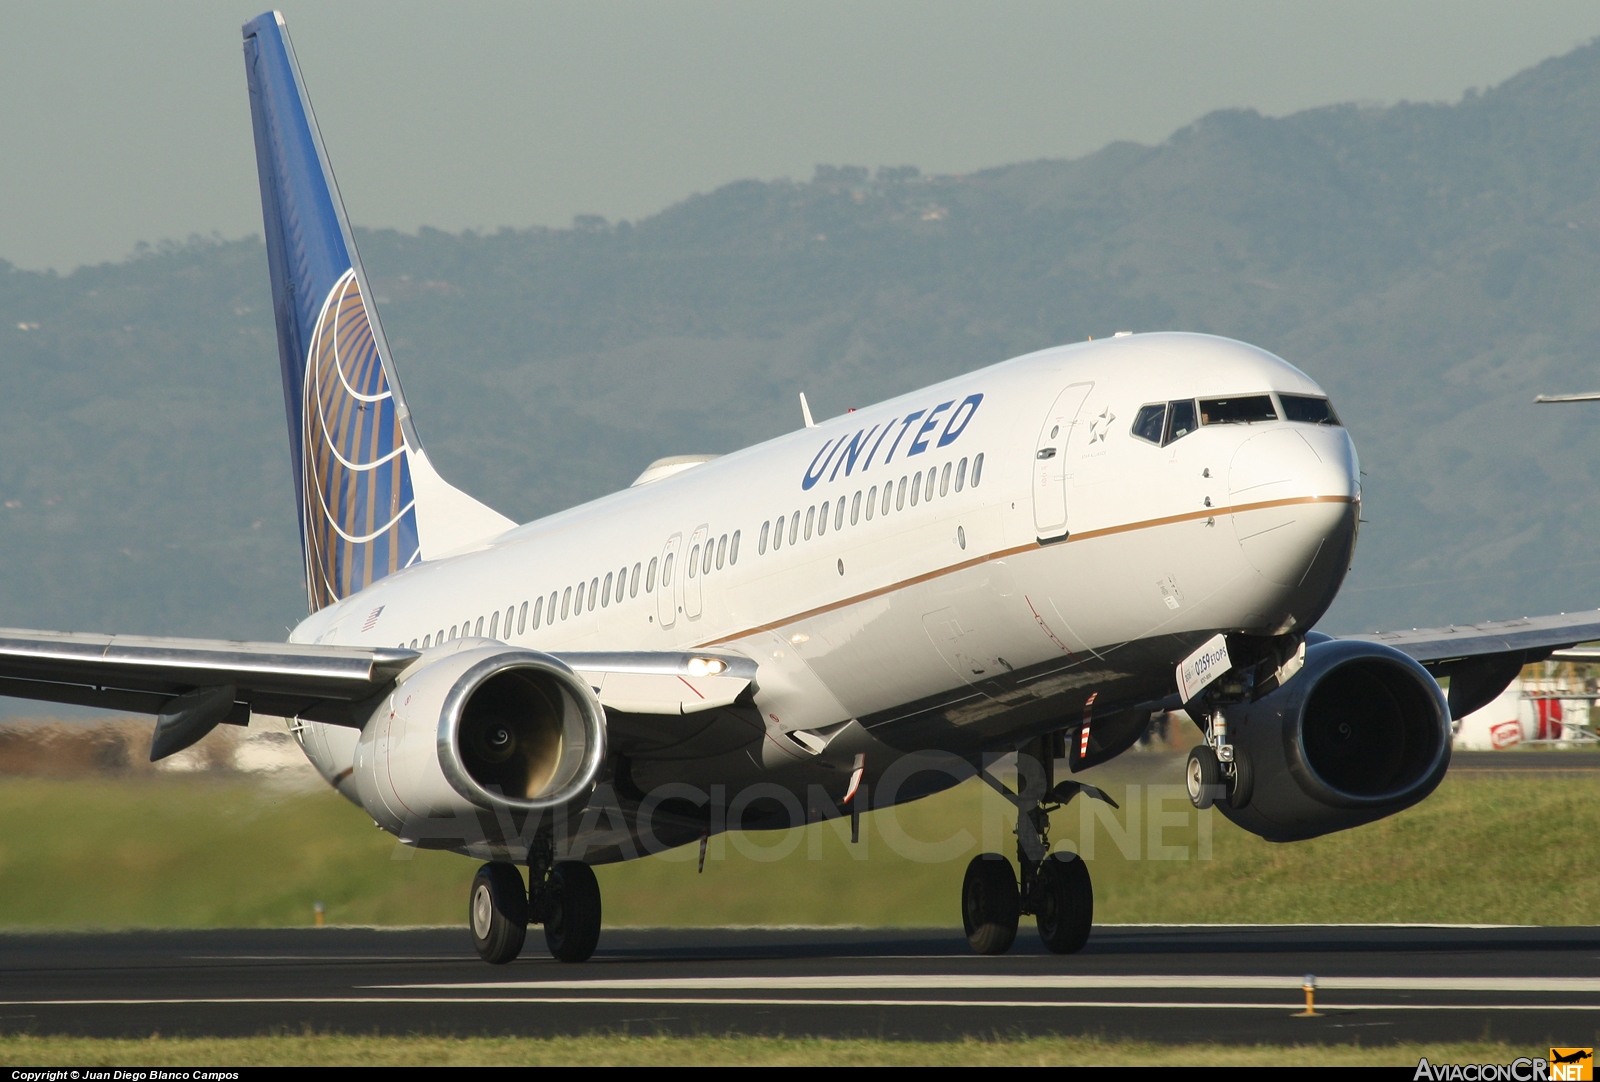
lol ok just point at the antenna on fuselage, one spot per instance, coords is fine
(805, 411)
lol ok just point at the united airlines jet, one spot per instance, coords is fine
(1032, 558)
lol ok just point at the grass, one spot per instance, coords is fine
(373, 1051)
(197, 852)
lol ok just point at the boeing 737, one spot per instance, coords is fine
(1031, 558)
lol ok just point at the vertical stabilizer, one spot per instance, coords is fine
(370, 502)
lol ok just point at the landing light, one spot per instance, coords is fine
(707, 666)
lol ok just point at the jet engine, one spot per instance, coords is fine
(477, 745)
(1360, 732)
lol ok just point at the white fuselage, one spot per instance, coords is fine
(960, 621)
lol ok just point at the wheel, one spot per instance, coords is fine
(989, 904)
(1242, 784)
(1203, 776)
(572, 912)
(1066, 903)
(497, 913)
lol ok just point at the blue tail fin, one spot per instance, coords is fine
(370, 502)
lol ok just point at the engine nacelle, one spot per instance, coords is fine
(1361, 732)
(476, 741)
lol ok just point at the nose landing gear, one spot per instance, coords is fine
(1055, 888)
(1215, 770)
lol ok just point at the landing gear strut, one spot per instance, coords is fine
(1055, 887)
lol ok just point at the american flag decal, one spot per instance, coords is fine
(372, 619)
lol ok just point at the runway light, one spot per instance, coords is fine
(317, 910)
(1310, 987)
(707, 666)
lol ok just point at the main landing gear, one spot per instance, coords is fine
(1055, 887)
(563, 896)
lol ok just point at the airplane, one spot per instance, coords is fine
(1031, 558)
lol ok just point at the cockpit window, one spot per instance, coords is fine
(1180, 420)
(1147, 425)
(1308, 409)
(1241, 410)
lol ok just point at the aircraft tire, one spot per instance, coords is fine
(1202, 776)
(1066, 903)
(572, 914)
(497, 913)
(1243, 783)
(990, 905)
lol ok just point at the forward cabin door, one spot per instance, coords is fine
(1050, 463)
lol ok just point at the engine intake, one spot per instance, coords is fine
(1361, 732)
(521, 730)
(474, 730)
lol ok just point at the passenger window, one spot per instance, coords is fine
(550, 617)
(961, 474)
(872, 501)
(439, 638)
(594, 585)
(633, 583)
(413, 644)
(928, 495)
(1308, 409)
(666, 570)
(838, 512)
(511, 610)
(855, 508)
(494, 625)
(566, 599)
(1243, 410)
(777, 535)
(427, 641)
(899, 496)
(694, 561)
(977, 470)
(733, 549)
(605, 595)
(722, 550)
(1180, 421)
(711, 547)
(916, 488)
(761, 544)
(577, 601)
(453, 629)
(794, 528)
(538, 611)
(944, 479)
(650, 577)
(822, 522)
(1150, 421)
(811, 518)
(478, 630)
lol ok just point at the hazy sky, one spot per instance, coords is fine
(125, 122)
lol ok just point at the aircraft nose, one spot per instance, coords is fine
(1290, 492)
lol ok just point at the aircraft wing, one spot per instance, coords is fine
(195, 684)
(1481, 660)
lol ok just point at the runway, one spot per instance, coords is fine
(1377, 984)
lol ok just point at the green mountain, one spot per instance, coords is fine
(1433, 266)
